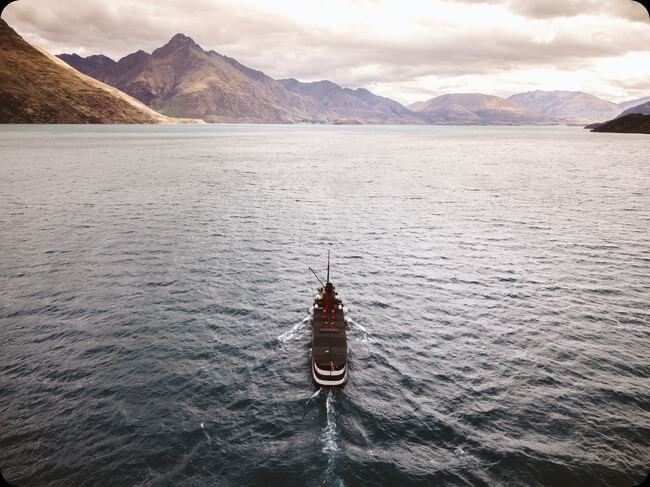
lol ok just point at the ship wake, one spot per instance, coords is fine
(358, 331)
(296, 331)
(331, 442)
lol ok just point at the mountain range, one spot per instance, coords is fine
(36, 87)
(181, 79)
(573, 107)
(476, 108)
(345, 103)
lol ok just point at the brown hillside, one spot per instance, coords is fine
(38, 88)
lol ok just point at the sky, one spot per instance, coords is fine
(409, 50)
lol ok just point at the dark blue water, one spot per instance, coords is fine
(155, 293)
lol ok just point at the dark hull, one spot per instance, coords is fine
(329, 347)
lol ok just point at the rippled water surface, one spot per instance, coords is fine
(155, 297)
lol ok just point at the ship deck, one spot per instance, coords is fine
(329, 343)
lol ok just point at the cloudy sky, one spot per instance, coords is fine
(409, 50)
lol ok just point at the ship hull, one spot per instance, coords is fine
(329, 349)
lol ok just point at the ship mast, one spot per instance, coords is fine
(328, 266)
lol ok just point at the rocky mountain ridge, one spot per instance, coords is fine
(182, 79)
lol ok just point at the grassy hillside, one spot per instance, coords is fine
(36, 87)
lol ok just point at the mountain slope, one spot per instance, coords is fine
(387, 106)
(476, 108)
(633, 103)
(36, 87)
(572, 107)
(337, 103)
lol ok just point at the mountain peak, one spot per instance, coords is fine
(179, 41)
(180, 38)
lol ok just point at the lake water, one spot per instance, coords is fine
(155, 294)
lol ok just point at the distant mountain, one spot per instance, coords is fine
(643, 109)
(36, 87)
(390, 108)
(182, 79)
(476, 108)
(571, 107)
(335, 102)
(92, 65)
(635, 123)
(633, 103)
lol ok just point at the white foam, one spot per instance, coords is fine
(295, 331)
(359, 331)
(315, 394)
(205, 433)
(329, 436)
(330, 439)
(357, 325)
(329, 404)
